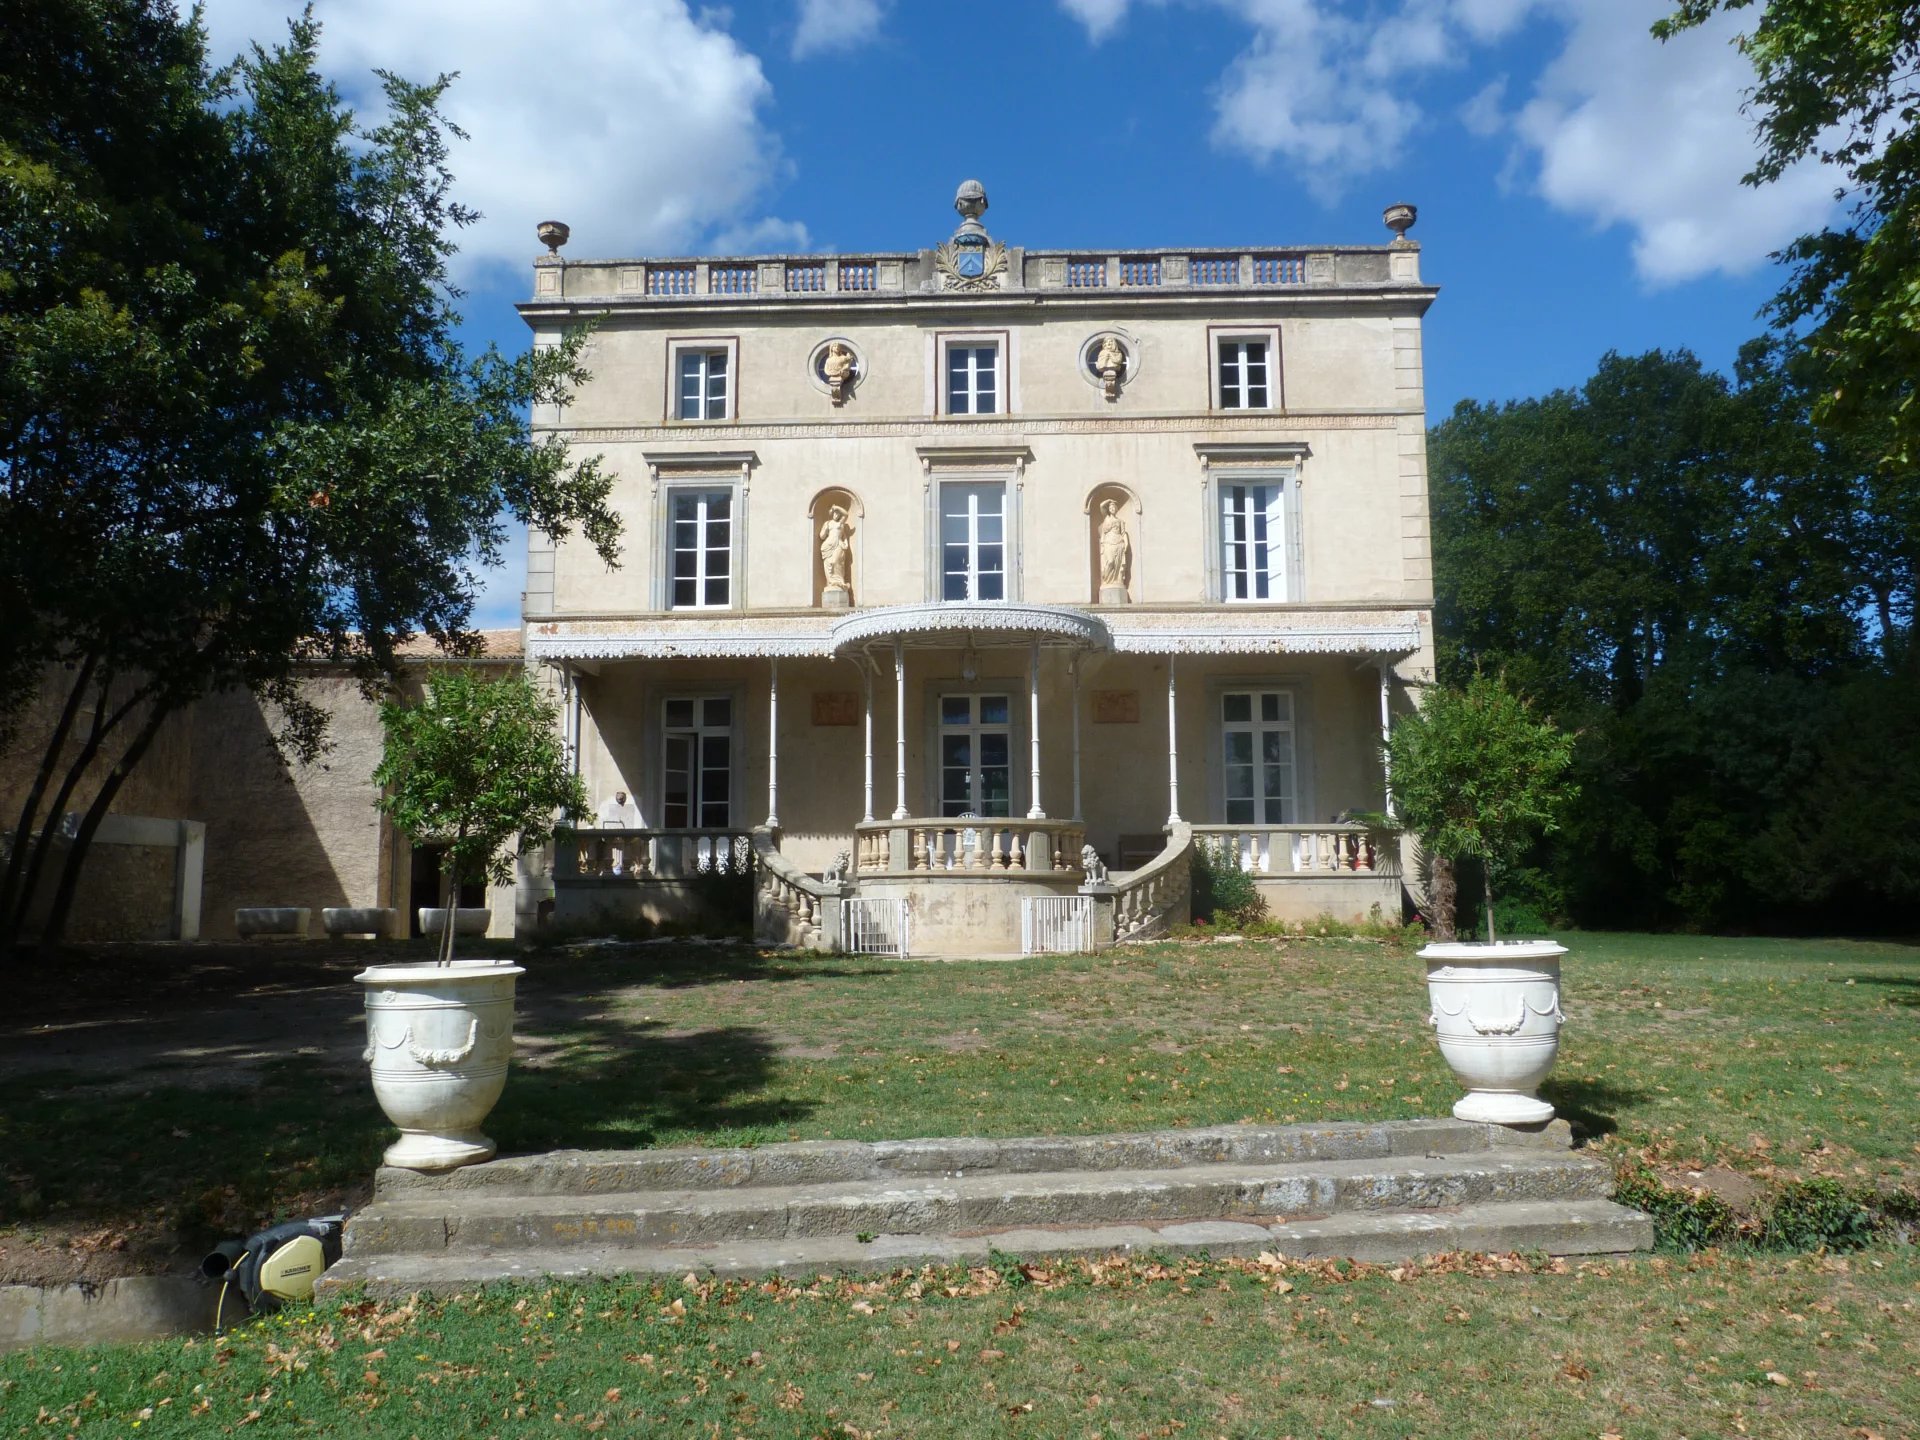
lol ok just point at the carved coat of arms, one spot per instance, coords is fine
(970, 263)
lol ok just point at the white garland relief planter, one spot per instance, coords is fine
(438, 1039)
(1496, 1009)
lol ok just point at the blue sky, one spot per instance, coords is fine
(1578, 182)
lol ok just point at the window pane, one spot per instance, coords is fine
(1236, 707)
(679, 713)
(718, 712)
(686, 592)
(1279, 781)
(993, 748)
(956, 709)
(1270, 706)
(953, 559)
(996, 792)
(990, 587)
(1239, 812)
(716, 591)
(954, 587)
(994, 709)
(1239, 747)
(719, 506)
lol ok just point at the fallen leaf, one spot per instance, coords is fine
(1777, 1378)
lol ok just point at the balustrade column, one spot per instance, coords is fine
(1173, 746)
(900, 730)
(1034, 812)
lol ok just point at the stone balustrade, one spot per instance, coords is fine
(651, 854)
(773, 278)
(791, 907)
(1330, 849)
(1151, 900)
(967, 845)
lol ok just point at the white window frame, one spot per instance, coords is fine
(932, 694)
(1251, 511)
(940, 400)
(726, 345)
(663, 734)
(973, 489)
(974, 730)
(698, 490)
(1218, 338)
(1289, 585)
(1256, 727)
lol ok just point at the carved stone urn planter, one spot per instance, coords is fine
(439, 1038)
(1496, 1009)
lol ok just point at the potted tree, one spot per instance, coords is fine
(475, 765)
(1476, 773)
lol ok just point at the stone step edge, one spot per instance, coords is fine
(443, 1222)
(825, 1161)
(1568, 1228)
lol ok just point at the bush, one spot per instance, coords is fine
(1223, 893)
(1682, 1219)
(1815, 1214)
(1819, 1215)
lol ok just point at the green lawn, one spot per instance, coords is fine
(1778, 1058)
(1650, 1350)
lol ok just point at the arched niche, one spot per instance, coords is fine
(1126, 505)
(817, 516)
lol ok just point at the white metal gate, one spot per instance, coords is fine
(1056, 925)
(874, 927)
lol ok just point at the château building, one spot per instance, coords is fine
(966, 590)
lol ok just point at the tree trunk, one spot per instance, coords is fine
(90, 823)
(1486, 889)
(1442, 893)
(30, 807)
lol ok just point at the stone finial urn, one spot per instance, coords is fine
(1496, 1012)
(1399, 219)
(553, 234)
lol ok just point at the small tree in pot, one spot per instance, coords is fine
(1475, 772)
(473, 766)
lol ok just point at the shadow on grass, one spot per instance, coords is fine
(1588, 1105)
(1905, 990)
(677, 965)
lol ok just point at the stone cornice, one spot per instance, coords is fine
(1005, 433)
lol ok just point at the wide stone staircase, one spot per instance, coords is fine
(1382, 1192)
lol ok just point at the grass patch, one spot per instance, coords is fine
(1452, 1349)
(1782, 1060)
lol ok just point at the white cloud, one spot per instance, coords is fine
(1482, 114)
(633, 121)
(763, 237)
(827, 25)
(1101, 17)
(1627, 131)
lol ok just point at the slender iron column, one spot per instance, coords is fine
(773, 747)
(1386, 733)
(900, 730)
(866, 687)
(1073, 672)
(1034, 811)
(1173, 748)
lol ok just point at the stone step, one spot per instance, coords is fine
(1558, 1227)
(814, 1162)
(438, 1221)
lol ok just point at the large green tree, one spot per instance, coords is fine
(237, 432)
(1839, 81)
(1698, 579)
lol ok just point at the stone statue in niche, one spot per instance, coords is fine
(1116, 551)
(839, 368)
(1110, 363)
(836, 561)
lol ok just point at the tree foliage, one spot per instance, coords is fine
(236, 430)
(1716, 593)
(475, 765)
(1477, 774)
(1839, 81)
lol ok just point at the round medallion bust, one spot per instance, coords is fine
(1496, 1011)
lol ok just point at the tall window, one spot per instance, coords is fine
(1256, 755)
(701, 559)
(697, 763)
(973, 373)
(973, 541)
(976, 753)
(703, 385)
(1243, 381)
(1253, 537)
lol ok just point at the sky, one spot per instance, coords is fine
(1578, 182)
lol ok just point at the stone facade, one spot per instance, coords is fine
(1254, 419)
